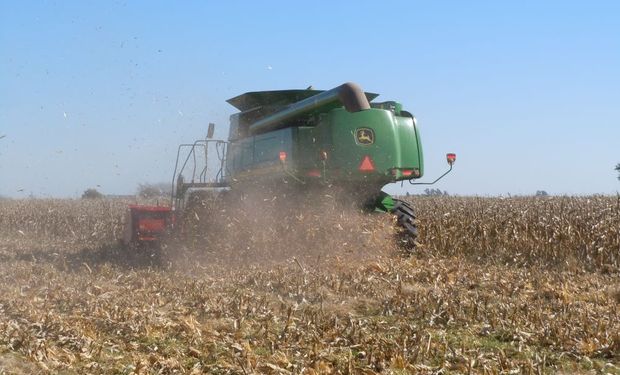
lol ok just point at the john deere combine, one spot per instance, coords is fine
(299, 142)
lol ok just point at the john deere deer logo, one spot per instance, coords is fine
(365, 136)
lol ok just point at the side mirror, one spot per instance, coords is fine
(210, 130)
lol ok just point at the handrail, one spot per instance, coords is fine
(220, 147)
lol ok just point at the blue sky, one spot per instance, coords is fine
(527, 93)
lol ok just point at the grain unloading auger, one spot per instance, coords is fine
(298, 142)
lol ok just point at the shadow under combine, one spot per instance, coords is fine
(117, 255)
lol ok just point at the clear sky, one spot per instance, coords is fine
(527, 93)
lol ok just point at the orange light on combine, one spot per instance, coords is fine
(404, 172)
(411, 173)
(367, 165)
(314, 172)
(282, 156)
(451, 158)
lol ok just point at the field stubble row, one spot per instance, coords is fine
(567, 231)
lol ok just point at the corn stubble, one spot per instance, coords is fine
(522, 285)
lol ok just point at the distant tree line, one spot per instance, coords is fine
(431, 193)
(92, 194)
(148, 190)
(435, 192)
(439, 193)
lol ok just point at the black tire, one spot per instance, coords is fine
(405, 217)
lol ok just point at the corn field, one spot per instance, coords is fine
(496, 285)
(576, 231)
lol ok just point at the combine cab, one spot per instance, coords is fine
(335, 142)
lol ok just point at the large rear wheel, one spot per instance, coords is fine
(405, 217)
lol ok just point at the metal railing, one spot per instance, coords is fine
(192, 152)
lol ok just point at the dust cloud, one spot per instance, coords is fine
(259, 228)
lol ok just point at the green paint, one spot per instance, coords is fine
(343, 136)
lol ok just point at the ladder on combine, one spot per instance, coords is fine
(193, 175)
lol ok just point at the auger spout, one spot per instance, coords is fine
(349, 94)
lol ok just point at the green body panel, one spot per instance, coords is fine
(256, 157)
(382, 203)
(395, 147)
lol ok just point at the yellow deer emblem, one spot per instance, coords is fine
(365, 136)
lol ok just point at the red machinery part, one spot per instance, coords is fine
(367, 165)
(451, 158)
(146, 223)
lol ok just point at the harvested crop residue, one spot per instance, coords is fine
(73, 302)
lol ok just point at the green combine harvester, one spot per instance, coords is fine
(301, 142)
